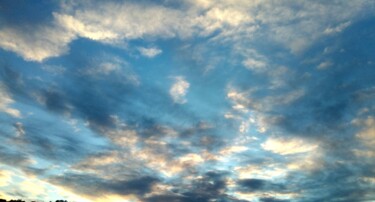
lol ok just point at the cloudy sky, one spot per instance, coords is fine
(187, 101)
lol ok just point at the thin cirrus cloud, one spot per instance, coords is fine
(190, 101)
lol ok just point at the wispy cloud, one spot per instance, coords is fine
(6, 101)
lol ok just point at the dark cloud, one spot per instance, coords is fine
(254, 185)
(162, 198)
(341, 181)
(191, 198)
(55, 101)
(10, 77)
(271, 199)
(212, 186)
(9, 155)
(92, 185)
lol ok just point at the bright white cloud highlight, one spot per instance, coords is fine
(284, 146)
(179, 90)
(150, 52)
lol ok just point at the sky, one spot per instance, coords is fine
(187, 101)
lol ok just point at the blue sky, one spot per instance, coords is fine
(191, 100)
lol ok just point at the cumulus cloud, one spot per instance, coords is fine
(179, 90)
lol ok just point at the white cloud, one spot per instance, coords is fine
(111, 23)
(237, 22)
(287, 146)
(36, 44)
(324, 65)
(337, 29)
(179, 90)
(116, 21)
(150, 52)
(5, 101)
(255, 65)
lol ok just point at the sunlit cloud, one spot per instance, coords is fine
(153, 101)
(5, 101)
(179, 90)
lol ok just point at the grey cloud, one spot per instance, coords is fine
(14, 158)
(92, 185)
(254, 185)
(271, 199)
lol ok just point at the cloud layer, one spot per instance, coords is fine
(230, 101)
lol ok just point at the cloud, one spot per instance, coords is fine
(5, 177)
(288, 146)
(324, 65)
(20, 131)
(339, 28)
(110, 65)
(104, 24)
(118, 21)
(255, 65)
(52, 39)
(14, 158)
(150, 52)
(5, 101)
(38, 43)
(367, 135)
(31, 187)
(179, 90)
(86, 183)
(254, 185)
(103, 125)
